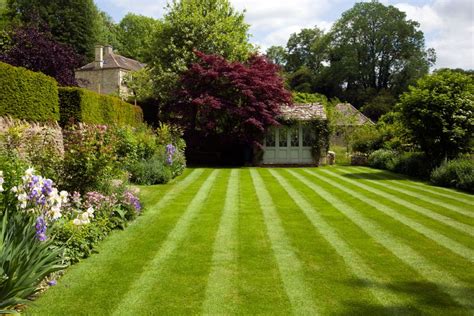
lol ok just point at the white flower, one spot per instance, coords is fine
(64, 195)
(22, 197)
(90, 211)
(1, 173)
(1, 188)
(23, 205)
(77, 222)
(84, 216)
(56, 212)
(15, 189)
(30, 171)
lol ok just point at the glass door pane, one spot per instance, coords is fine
(295, 137)
(270, 138)
(283, 138)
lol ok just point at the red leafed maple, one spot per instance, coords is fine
(234, 100)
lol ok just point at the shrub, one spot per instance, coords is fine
(80, 105)
(382, 159)
(366, 139)
(151, 171)
(413, 164)
(457, 173)
(89, 158)
(39, 145)
(28, 95)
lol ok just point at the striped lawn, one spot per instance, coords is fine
(309, 241)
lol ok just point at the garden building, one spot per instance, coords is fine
(347, 118)
(296, 140)
(106, 73)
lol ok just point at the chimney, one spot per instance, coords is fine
(99, 56)
(108, 50)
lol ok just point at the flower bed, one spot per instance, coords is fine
(55, 217)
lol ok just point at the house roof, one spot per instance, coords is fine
(303, 112)
(113, 61)
(349, 115)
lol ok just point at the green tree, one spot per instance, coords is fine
(277, 55)
(209, 26)
(374, 47)
(70, 22)
(107, 31)
(438, 113)
(136, 34)
(306, 49)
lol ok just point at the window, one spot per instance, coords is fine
(308, 136)
(283, 139)
(294, 137)
(270, 138)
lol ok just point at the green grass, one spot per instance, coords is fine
(338, 240)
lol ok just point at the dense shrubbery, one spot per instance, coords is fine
(457, 173)
(409, 163)
(80, 105)
(28, 95)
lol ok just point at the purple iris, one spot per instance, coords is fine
(170, 151)
(41, 229)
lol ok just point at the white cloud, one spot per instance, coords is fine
(449, 29)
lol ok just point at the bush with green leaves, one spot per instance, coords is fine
(382, 159)
(366, 139)
(410, 163)
(89, 158)
(457, 173)
(28, 95)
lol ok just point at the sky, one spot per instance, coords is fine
(448, 25)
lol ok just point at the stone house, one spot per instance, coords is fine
(292, 142)
(106, 73)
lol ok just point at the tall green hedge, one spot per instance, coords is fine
(86, 106)
(28, 95)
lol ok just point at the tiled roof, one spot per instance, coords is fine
(303, 112)
(349, 115)
(112, 61)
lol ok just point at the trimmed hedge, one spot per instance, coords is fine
(457, 173)
(28, 95)
(86, 106)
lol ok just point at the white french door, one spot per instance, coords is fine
(288, 145)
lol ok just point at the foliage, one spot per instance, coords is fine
(136, 34)
(70, 22)
(379, 105)
(306, 98)
(150, 171)
(321, 138)
(277, 55)
(27, 95)
(457, 173)
(38, 51)
(39, 145)
(410, 163)
(89, 158)
(235, 100)
(438, 114)
(306, 49)
(81, 105)
(209, 26)
(107, 32)
(388, 52)
(140, 84)
(366, 139)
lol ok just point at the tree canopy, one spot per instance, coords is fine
(438, 113)
(136, 33)
(232, 99)
(70, 22)
(375, 47)
(39, 51)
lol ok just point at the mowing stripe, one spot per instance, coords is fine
(440, 239)
(222, 277)
(291, 269)
(450, 285)
(176, 191)
(419, 209)
(352, 260)
(450, 193)
(422, 197)
(148, 279)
